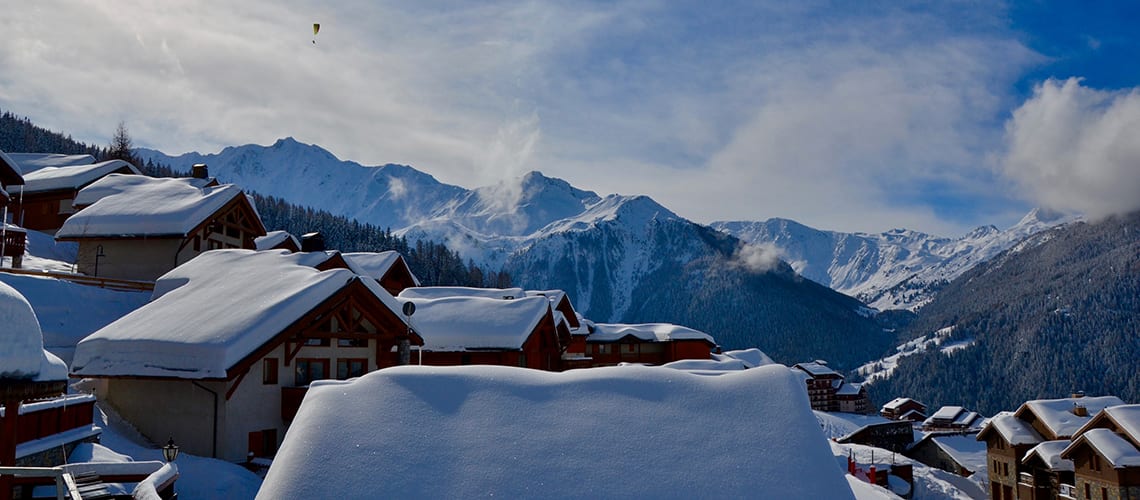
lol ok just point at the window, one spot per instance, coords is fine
(317, 342)
(1103, 493)
(352, 342)
(197, 243)
(269, 371)
(263, 443)
(1096, 462)
(349, 368)
(1005, 468)
(1088, 492)
(309, 370)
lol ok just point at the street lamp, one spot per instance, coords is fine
(170, 451)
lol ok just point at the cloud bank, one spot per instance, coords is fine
(1074, 148)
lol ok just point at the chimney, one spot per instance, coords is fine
(1078, 394)
(312, 242)
(1080, 410)
(199, 171)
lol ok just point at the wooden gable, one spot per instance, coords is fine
(351, 313)
(235, 218)
(398, 277)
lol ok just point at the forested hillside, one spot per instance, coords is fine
(1059, 312)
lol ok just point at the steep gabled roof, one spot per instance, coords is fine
(1110, 445)
(73, 177)
(1124, 419)
(462, 323)
(816, 369)
(212, 312)
(379, 264)
(1049, 452)
(137, 205)
(1012, 429)
(275, 239)
(1057, 415)
(897, 403)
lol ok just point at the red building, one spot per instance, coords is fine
(649, 343)
(46, 200)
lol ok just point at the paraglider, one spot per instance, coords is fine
(316, 28)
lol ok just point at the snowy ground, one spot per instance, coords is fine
(200, 477)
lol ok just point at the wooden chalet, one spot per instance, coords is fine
(648, 343)
(222, 356)
(1010, 436)
(1105, 456)
(904, 409)
(12, 238)
(389, 268)
(277, 240)
(47, 198)
(482, 331)
(138, 228)
(953, 419)
(827, 390)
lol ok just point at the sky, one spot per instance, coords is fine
(852, 116)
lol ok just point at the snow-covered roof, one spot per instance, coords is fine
(72, 177)
(22, 354)
(946, 413)
(1110, 445)
(1057, 414)
(210, 313)
(30, 162)
(1126, 417)
(817, 369)
(274, 238)
(1050, 453)
(618, 432)
(377, 264)
(912, 414)
(137, 205)
(649, 332)
(731, 360)
(437, 292)
(1012, 429)
(849, 389)
(967, 451)
(459, 323)
(897, 403)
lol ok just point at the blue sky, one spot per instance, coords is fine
(855, 116)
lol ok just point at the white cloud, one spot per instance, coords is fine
(756, 258)
(718, 111)
(1075, 148)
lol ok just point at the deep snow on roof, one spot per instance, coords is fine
(1127, 417)
(377, 264)
(9, 168)
(1050, 453)
(22, 354)
(30, 162)
(1057, 414)
(618, 432)
(896, 403)
(849, 389)
(650, 332)
(965, 450)
(137, 205)
(438, 292)
(458, 323)
(1114, 448)
(1014, 430)
(274, 238)
(210, 313)
(730, 360)
(71, 177)
(816, 369)
(946, 413)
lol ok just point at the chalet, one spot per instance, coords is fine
(952, 452)
(277, 240)
(188, 363)
(953, 419)
(483, 331)
(904, 409)
(389, 268)
(1105, 455)
(138, 227)
(889, 435)
(12, 238)
(30, 162)
(46, 200)
(648, 343)
(39, 424)
(1050, 474)
(560, 302)
(828, 391)
(1010, 438)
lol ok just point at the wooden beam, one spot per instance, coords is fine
(237, 382)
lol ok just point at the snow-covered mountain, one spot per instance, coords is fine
(898, 269)
(621, 258)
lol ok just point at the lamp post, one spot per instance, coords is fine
(170, 451)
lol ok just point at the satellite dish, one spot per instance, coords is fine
(409, 308)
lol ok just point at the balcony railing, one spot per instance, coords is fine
(1025, 478)
(1067, 491)
(14, 242)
